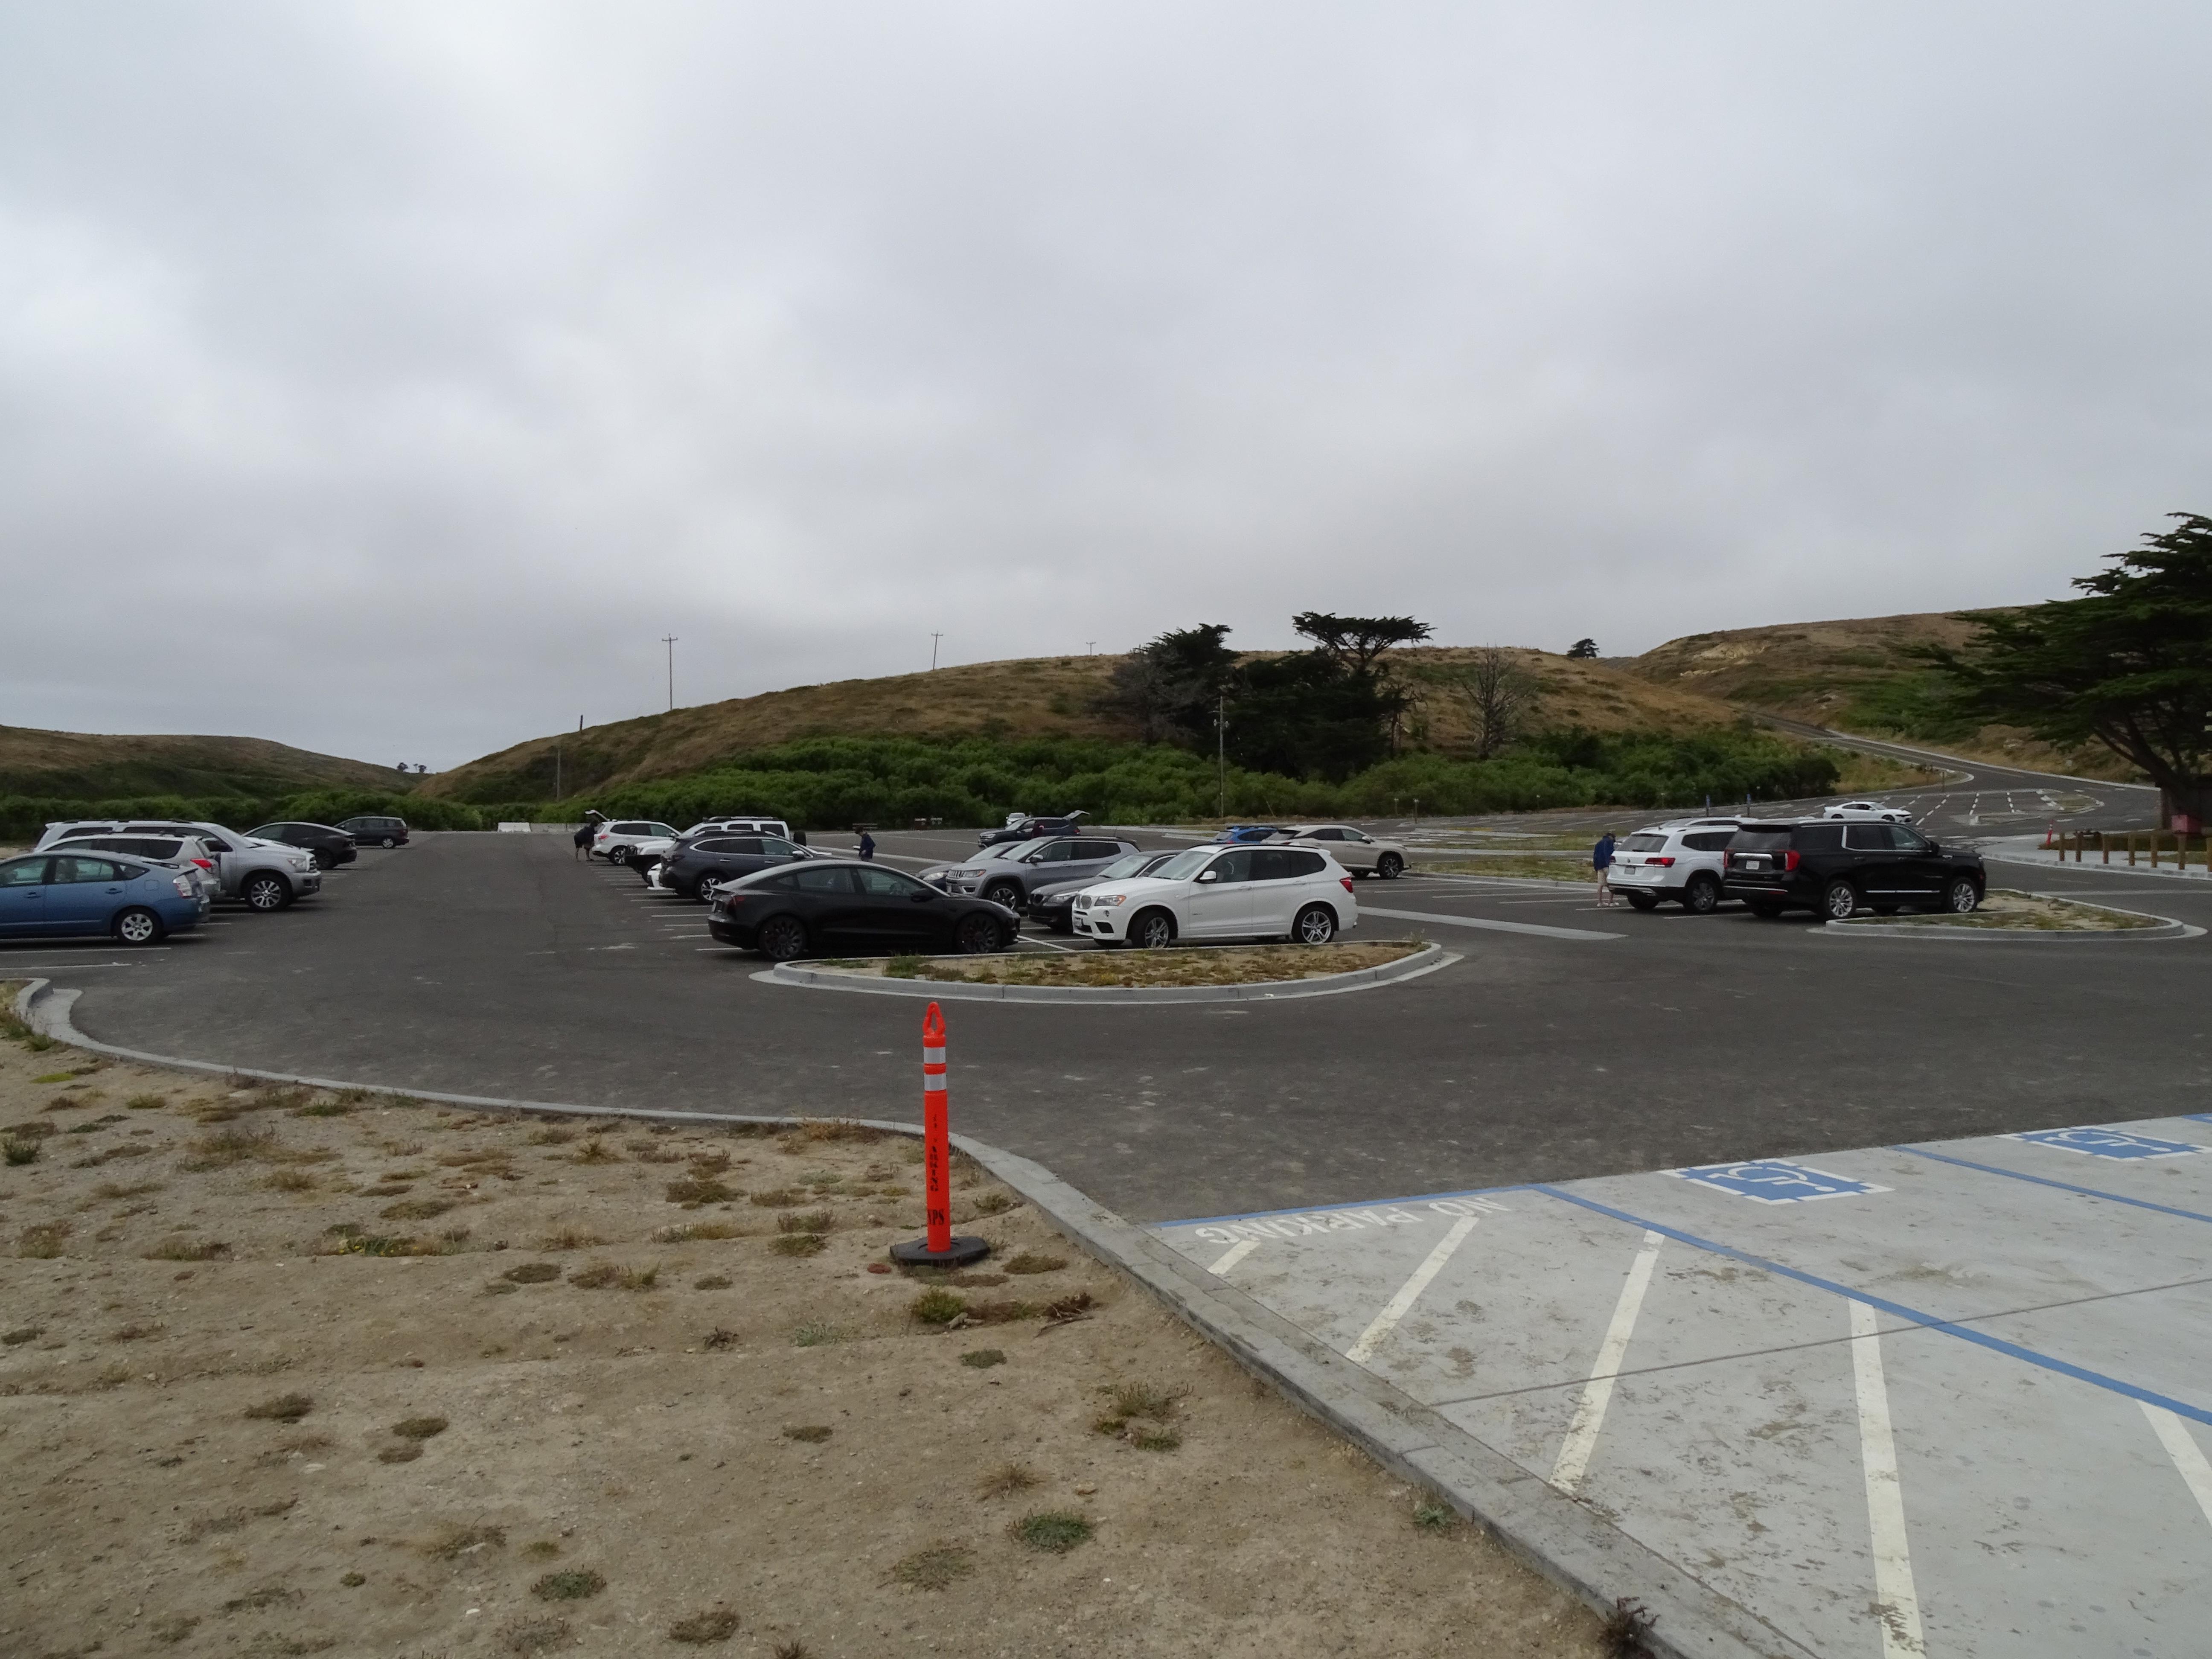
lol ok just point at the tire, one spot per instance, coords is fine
(138, 926)
(1641, 901)
(387, 841)
(326, 861)
(265, 891)
(783, 938)
(1764, 909)
(1006, 893)
(1840, 900)
(1389, 866)
(1315, 925)
(1960, 897)
(1153, 930)
(1703, 896)
(978, 934)
(616, 854)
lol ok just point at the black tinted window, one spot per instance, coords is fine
(1867, 838)
(1270, 864)
(1097, 849)
(1233, 866)
(1304, 863)
(888, 884)
(1708, 841)
(1758, 841)
(730, 844)
(1819, 838)
(835, 879)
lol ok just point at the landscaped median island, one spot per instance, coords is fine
(291, 1372)
(2003, 909)
(1259, 964)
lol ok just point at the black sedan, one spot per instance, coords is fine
(1028, 828)
(693, 867)
(331, 846)
(843, 906)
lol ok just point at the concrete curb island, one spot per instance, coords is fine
(1573, 1545)
(1281, 990)
(2168, 927)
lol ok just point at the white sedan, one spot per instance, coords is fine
(1868, 809)
(1222, 892)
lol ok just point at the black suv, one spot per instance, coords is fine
(693, 868)
(376, 831)
(332, 848)
(1834, 866)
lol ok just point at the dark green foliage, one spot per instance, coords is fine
(23, 816)
(1922, 703)
(2129, 665)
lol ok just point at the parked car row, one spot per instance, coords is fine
(1834, 865)
(139, 880)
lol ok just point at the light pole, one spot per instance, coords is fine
(669, 640)
(1221, 751)
(934, 639)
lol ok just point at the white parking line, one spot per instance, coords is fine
(1540, 931)
(1897, 1602)
(1408, 1293)
(1597, 1392)
(1235, 1253)
(2188, 1457)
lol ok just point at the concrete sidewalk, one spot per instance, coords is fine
(2030, 850)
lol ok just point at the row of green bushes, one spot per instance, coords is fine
(828, 782)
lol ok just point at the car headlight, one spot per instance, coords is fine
(1111, 899)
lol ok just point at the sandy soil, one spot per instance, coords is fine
(285, 1374)
(1265, 964)
(2003, 909)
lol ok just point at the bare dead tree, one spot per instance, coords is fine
(1500, 695)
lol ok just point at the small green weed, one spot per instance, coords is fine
(799, 1244)
(42, 1242)
(282, 1408)
(693, 1190)
(903, 967)
(983, 1358)
(814, 1221)
(936, 1568)
(1433, 1513)
(416, 1209)
(20, 1151)
(1054, 1531)
(20, 1334)
(715, 1625)
(146, 1102)
(454, 1540)
(1008, 1479)
(816, 1334)
(812, 1434)
(1030, 1261)
(532, 1272)
(419, 1428)
(692, 1232)
(711, 1282)
(529, 1636)
(575, 1584)
(937, 1307)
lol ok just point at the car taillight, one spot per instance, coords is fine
(205, 864)
(1665, 861)
(1789, 859)
(1347, 881)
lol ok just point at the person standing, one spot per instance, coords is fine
(868, 845)
(1601, 861)
(584, 833)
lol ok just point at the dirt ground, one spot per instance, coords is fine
(1261, 964)
(287, 1373)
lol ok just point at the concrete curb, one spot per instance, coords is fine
(1359, 979)
(2168, 928)
(1573, 1545)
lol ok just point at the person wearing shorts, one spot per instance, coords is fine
(1601, 861)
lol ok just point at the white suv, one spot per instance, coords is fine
(1355, 850)
(1682, 861)
(1222, 892)
(628, 839)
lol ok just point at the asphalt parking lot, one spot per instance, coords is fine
(1570, 1042)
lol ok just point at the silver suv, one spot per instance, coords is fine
(266, 874)
(1010, 872)
(1683, 861)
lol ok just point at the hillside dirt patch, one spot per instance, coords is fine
(286, 1372)
(1263, 964)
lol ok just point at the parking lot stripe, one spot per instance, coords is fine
(2188, 1457)
(1410, 1292)
(1597, 1392)
(2045, 1181)
(1915, 1315)
(1235, 1253)
(1897, 1602)
(1484, 921)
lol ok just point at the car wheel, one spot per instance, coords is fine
(1641, 901)
(387, 841)
(266, 891)
(1962, 897)
(1010, 937)
(615, 855)
(783, 939)
(1315, 925)
(1838, 901)
(1389, 866)
(1766, 909)
(1006, 893)
(138, 926)
(326, 861)
(1155, 930)
(977, 935)
(1702, 897)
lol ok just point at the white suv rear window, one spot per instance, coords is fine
(1645, 843)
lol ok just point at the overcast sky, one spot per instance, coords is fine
(389, 379)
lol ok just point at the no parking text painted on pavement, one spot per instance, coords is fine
(1949, 1399)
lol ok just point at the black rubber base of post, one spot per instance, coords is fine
(966, 1252)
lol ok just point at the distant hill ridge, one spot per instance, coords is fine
(88, 765)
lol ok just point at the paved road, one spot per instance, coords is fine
(495, 964)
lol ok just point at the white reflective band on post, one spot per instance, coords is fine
(933, 1056)
(933, 1085)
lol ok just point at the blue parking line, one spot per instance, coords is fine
(1994, 1344)
(2045, 1181)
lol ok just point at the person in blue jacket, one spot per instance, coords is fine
(1601, 861)
(868, 845)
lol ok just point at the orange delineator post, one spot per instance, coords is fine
(936, 1134)
(939, 1248)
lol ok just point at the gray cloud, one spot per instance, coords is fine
(387, 379)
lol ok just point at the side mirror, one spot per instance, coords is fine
(922, 898)
(1209, 876)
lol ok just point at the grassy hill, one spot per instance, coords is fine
(74, 765)
(1021, 698)
(1852, 676)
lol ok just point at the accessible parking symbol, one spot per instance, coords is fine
(1768, 1181)
(2106, 1143)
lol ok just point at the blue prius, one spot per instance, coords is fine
(135, 904)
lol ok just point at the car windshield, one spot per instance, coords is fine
(1184, 865)
(1645, 841)
(1133, 864)
(1760, 841)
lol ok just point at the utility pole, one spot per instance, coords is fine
(1221, 751)
(934, 639)
(1091, 647)
(669, 640)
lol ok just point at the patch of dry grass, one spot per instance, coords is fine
(1180, 966)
